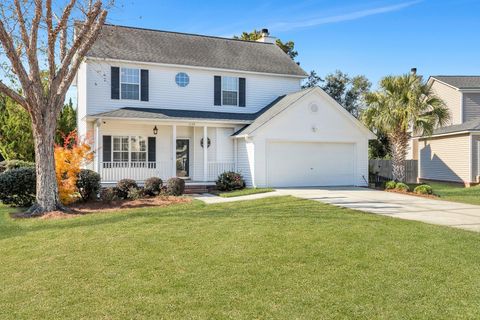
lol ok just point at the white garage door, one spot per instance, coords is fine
(304, 164)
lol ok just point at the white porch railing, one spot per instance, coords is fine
(139, 171)
(216, 168)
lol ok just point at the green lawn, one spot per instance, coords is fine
(457, 193)
(244, 192)
(274, 258)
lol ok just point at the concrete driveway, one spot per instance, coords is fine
(396, 205)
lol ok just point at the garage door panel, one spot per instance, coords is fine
(295, 164)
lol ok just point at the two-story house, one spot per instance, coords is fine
(452, 152)
(166, 104)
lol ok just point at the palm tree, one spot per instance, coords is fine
(404, 105)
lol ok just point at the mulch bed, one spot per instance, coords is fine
(93, 207)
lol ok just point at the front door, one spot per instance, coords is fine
(183, 158)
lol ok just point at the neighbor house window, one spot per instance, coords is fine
(138, 149)
(229, 91)
(130, 83)
(120, 149)
(129, 148)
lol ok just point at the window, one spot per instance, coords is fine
(135, 146)
(229, 91)
(120, 149)
(138, 149)
(182, 79)
(130, 83)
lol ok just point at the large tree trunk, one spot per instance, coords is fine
(399, 144)
(47, 189)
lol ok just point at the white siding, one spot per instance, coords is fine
(198, 95)
(445, 158)
(471, 106)
(299, 124)
(82, 100)
(245, 160)
(452, 98)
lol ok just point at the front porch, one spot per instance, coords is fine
(139, 150)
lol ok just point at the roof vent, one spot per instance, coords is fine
(265, 37)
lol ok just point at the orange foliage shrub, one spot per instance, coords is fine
(69, 158)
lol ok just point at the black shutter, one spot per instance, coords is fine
(241, 92)
(115, 82)
(152, 149)
(217, 91)
(144, 85)
(107, 148)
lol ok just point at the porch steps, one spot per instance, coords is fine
(198, 188)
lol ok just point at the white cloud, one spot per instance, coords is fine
(285, 26)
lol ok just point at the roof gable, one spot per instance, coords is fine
(145, 45)
(289, 100)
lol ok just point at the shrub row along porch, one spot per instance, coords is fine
(140, 150)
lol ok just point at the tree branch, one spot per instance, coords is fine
(21, 20)
(90, 38)
(32, 53)
(14, 58)
(14, 95)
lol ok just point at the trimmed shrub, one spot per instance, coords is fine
(390, 185)
(135, 193)
(17, 187)
(124, 186)
(153, 186)
(15, 164)
(423, 189)
(108, 194)
(229, 181)
(88, 184)
(402, 187)
(175, 186)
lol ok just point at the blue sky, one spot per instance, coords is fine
(372, 37)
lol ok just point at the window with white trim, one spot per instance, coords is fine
(129, 148)
(229, 91)
(130, 83)
(120, 149)
(138, 149)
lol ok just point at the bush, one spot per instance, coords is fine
(229, 181)
(17, 187)
(135, 193)
(423, 189)
(88, 184)
(175, 186)
(15, 164)
(124, 186)
(153, 186)
(390, 185)
(402, 187)
(108, 194)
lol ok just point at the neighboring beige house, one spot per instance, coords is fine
(452, 152)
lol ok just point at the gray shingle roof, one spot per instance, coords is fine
(173, 114)
(460, 82)
(472, 125)
(136, 44)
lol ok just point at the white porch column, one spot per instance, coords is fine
(205, 154)
(97, 161)
(174, 150)
(235, 155)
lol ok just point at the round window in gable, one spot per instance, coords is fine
(313, 107)
(182, 79)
